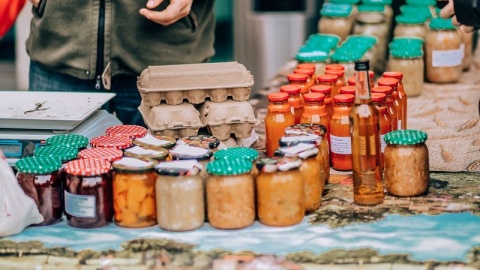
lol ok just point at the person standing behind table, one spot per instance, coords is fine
(72, 43)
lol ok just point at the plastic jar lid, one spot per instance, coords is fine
(68, 140)
(118, 142)
(392, 82)
(334, 67)
(297, 77)
(150, 141)
(314, 97)
(387, 90)
(347, 90)
(60, 152)
(307, 66)
(202, 141)
(130, 164)
(38, 165)
(109, 154)
(278, 164)
(236, 152)
(438, 23)
(88, 167)
(290, 89)
(179, 168)
(393, 74)
(336, 72)
(364, 7)
(405, 53)
(131, 131)
(277, 97)
(410, 19)
(378, 97)
(299, 129)
(344, 98)
(312, 56)
(336, 10)
(229, 166)
(324, 89)
(142, 153)
(405, 137)
(327, 78)
(308, 72)
(301, 150)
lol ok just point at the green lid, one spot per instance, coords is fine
(438, 23)
(336, 10)
(413, 10)
(348, 2)
(327, 40)
(229, 166)
(377, 2)
(402, 42)
(61, 152)
(405, 137)
(370, 8)
(313, 56)
(40, 165)
(68, 140)
(410, 19)
(363, 39)
(406, 52)
(346, 56)
(421, 2)
(236, 152)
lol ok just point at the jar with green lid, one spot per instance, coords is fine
(319, 58)
(336, 19)
(429, 3)
(388, 11)
(40, 180)
(418, 10)
(324, 42)
(405, 42)
(411, 25)
(180, 195)
(247, 153)
(68, 140)
(155, 142)
(444, 52)
(230, 194)
(406, 170)
(409, 61)
(280, 191)
(134, 192)
(158, 154)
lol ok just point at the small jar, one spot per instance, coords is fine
(330, 80)
(340, 77)
(312, 78)
(142, 153)
(300, 80)
(108, 154)
(180, 195)
(336, 19)
(134, 193)
(203, 141)
(79, 142)
(230, 194)
(246, 153)
(409, 62)
(154, 142)
(278, 118)
(130, 131)
(349, 90)
(39, 179)
(412, 25)
(108, 141)
(295, 100)
(88, 193)
(280, 192)
(406, 163)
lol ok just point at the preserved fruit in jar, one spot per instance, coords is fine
(411, 64)
(340, 139)
(295, 100)
(278, 118)
(336, 19)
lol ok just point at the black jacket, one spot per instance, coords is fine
(468, 12)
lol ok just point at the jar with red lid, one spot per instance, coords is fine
(88, 193)
(335, 66)
(340, 138)
(315, 112)
(402, 95)
(312, 78)
(330, 80)
(371, 74)
(278, 118)
(301, 80)
(108, 141)
(340, 76)
(310, 66)
(326, 90)
(348, 90)
(295, 100)
(378, 100)
(392, 111)
(398, 102)
(108, 154)
(351, 81)
(130, 131)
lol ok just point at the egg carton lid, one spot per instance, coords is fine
(228, 112)
(165, 116)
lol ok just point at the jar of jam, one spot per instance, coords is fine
(88, 193)
(153, 142)
(378, 100)
(180, 195)
(142, 153)
(203, 141)
(79, 142)
(278, 118)
(130, 131)
(108, 141)
(230, 194)
(39, 179)
(249, 154)
(295, 100)
(406, 163)
(134, 193)
(328, 100)
(300, 80)
(108, 154)
(311, 171)
(280, 192)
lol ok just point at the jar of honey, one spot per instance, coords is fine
(295, 100)
(108, 141)
(130, 131)
(328, 100)
(153, 142)
(278, 118)
(340, 138)
(378, 100)
(108, 154)
(301, 80)
(79, 142)
(134, 192)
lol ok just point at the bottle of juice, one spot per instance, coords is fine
(312, 78)
(402, 95)
(326, 90)
(300, 79)
(340, 140)
(278, 118)
(295, 100)
(392, 111)
(350, 89)
(397, 102)
(330, 80)
(378, 100)
(340, 77)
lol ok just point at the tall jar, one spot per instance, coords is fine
(391, 109)
(39, 179)
(295, 100)
(300, 80)
(278, 118)
(330, 80)
(230, 194)
(134, 193)
(378, 100)
(340, 77)
(340, 139)
(336, 19)
(409, 62)
(179, 195)
(280, 192)
(312, 78)
(398, 101)
(444, 52)
(88, 193)
(315, 112)
(411, 25)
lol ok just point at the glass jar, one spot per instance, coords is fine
(312, 78)
(350, 90)
(378, 100)
(336, 19)
(340, 77)
(398, 100)
(79, 142)
(88, 193)
(39, 179)
(326, 90)
(314, 111)
(249, 154)
(134, 193)
(108, 154)
(280, 192)
(313, 56)
(411, 25)
(153, 142)
(142, 153)
(185, 152)
(278, 118)
(295, 100)
(130, 131)
(108, 141)
(402, 95)
(444, 52)
(180, 195)
(203, 141)
(406, 163)
(410, 63)
(340, 139)
(230, 194)
(300, 80)
(330, 80)
(392, 111)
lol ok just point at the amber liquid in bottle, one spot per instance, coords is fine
(365, 132)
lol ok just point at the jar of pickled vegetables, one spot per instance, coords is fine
(295, 100)
(108, 154)
(130, 131)
(79, 142)
(134, 192)
(142, 153)
(249, 154)
(108, 141)
(180, 195)
(411, 64)
(153, 142)
(411, 25)
(280, 191)
(88, 193)
(406, 171)
(39, 179)
(230, 194)
(203, 141)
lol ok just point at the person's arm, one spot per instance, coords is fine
(176, 10)
(465, 13)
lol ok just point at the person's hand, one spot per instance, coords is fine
(176, 10)
(448, 11)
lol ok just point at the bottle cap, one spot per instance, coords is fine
(393, 74)
(361, 65)
(334, 67)
(88, 167)
(61, 152)
(314, 97)
(68, 140)
(130, 131)
(237, 152)
(143, 153)
(327, 78)
(405, 137)
(307, 66)
(378, 97)
(364, 7)
(387, 90)
(119, 142)
(392, 82)
(277, 97)
(179, 168)
(109, 154)
(306, 71)
(130, 164)
(439, 23)
(343, 98)
(321, 88)
(153, 142)
(290, 89)
(351, 81)
(410, 19)
(202, 141)
(297, 77)
(38, 165)
(348, 90)
(312, 56)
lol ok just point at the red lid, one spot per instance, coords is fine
(307, 66)
(393, 74)
(314, 97)
(327, 78)
(387, 82)
(377, 97)
(309, 72)
(335, 66)
(337, 72)
(387, 90)
(347, 90)
(290, 89)
(322, 88)
(109, 154)
(278, 96)
(343, 98)
(88, 167)
(118, 142)
(297, 77)
(351, 81)
(371, 73)
(131, 131)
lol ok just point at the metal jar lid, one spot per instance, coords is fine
(109, 154)
(118, 142)
(405, 137)
(229, 166)
(88, 167)
(68, 140)
(131, 131)
(38, 165)
(62, 153)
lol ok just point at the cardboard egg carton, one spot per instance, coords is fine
(194, 82)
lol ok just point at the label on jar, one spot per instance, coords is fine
(383, 144)
(82, 206)
(341, 145)
(447, 58)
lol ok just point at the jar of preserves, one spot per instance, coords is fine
(330, 80)
(108, 141)
(134, 192)
(230, 194)
(203, 141)
(79, 142)
(142, 153)
(278, 118)
(88, 193)
(411, 25)
(444, 52)
(311, 171)
(410, 63)
(180, 195)
(108, 154)
(326, 90)
(39, 179)
(398, 100)
(295, 100)
(406, 163)
(340, 139)
(392, 111)
(336, 19)
(280, 192)
(153, 142)
(249, 154)
(378, 100)
(300, 80)
(402, 95)
(130, 131)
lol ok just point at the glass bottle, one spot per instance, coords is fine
(326, 90)
(295, 100)
(351, 81)
(315, 112)
(340, 77)
(330, 80)
(378, 99)
(387, 90)
(340, 139)
(311, 81)
(335, 66)
(278, 118)
(301, 80)
(402, 95)
(365, 132)
(350, 89)
(397, 101)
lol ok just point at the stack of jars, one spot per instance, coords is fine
(337, 19)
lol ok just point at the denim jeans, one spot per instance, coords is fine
(124, 105)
